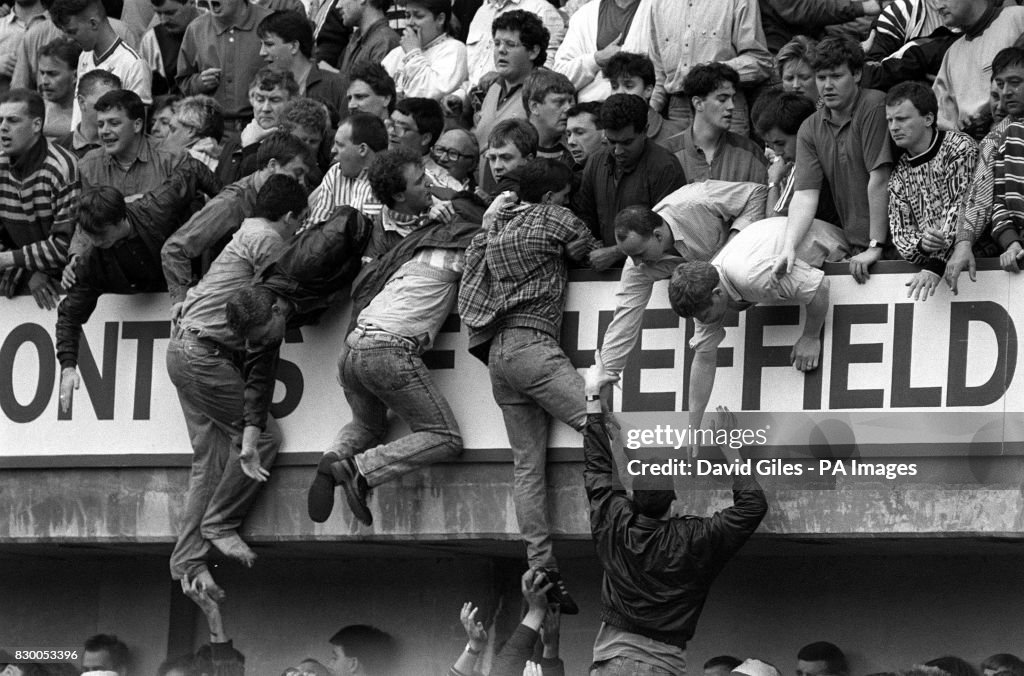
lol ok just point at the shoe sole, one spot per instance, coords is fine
(345, 477)
(320, 499)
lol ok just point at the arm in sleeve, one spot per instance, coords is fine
(598, 467)
(23, 77)
(167, 205)
(949, 112)
(906, 234)
(817, 13)
(512, 658)
(669, 179)
(187, 75)
(575, 58)
(586, 199)
(51, 254)
(553, 21)
(958, 185)
(436, 77)
(201, 232)
(733, 526)
(1005, 221)
(631, 299)
(260, 373)
(659, 98)
(72, 313)
(753, 61)
(754, 206)
(139, 79)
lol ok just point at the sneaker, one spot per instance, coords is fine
(320, 499)
(355, 487)
(559, 594)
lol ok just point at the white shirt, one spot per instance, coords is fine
(122, 61)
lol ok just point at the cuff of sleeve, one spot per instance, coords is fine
(590, 63)
(1007, 237)
(68, 363)
(551, 662)
(19, 258)
(222, 651)
(935, 265)
(411, 54)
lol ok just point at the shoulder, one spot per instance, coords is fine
(746, 144)
(958, 142)
(63, 161)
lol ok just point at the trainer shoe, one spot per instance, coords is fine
(320, 499)
(355, 487)
(559, 594)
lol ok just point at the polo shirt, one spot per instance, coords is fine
(148, 171)
(736, 158)
(845, 155)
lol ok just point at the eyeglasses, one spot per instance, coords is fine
(440, 152)
(508, 45)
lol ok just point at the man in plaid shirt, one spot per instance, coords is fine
(511, 300)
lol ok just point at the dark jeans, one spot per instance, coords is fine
(627, 666)
(532, 378)
(210, 389)
(380, 372)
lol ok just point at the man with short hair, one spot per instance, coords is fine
(372, 38)
(928, 184)
(359, 139)
(287, 44)
(583, 132)
(307, 120)
(710, 150)
(234, 438)
(58, 63)
(85, 136)
(629, 73)
(161, 44)
(371, 90)
(821, 659)
(362, 650)
(269, 92)
(511, 145)
(105, 652)
(547, 97)
(85, 22)
(630, 170)
(721, 665)
(457, 153)
(39, 193)
(416, 124)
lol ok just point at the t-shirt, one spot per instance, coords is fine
(122, 61)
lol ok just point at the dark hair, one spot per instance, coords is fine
(623, 110)
(101, 208)
(532, 32)
(279, 196)
(800, 48)
(290, 26)
(306, 112)
(204, 658)
(376, 78)
(373, 648)
(723, 661)
(114, 647)
(592, 108)
(1004, 662)
(87, 83)
(833, 52)
(952, 665)
(125, 100)
(704, 78)
(435, 7)
(519, 133)
(823, 651)
(32, 100)
(542, 175)
(689, 290)
(267, 79)
(426, 113)
(628, 64)
(185, 663)
(67, 51)
(638, 219)
(368, 129)
(283, 147)
(653, 503)
(542, 82)
(250, 307)
(920, 96)
(205, 113)
(62, 10)
(386, 173)
(1007, 58)
(166, 101)
(784, 111)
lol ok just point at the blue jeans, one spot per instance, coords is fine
(381, 372)
(627, 666)
(210, 389)
(532, 378)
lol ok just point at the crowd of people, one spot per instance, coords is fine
(258, 161)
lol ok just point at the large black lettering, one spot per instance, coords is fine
(844, 353)
(633, 399)
(98, 382)
(38, 337)
(146, 333)
(443, 359)
(757, 355)
(960, 317)
(903, 395)
(290, 375)
(723, 356)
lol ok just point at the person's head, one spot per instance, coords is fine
(269, 91)
(624, 118)
(821, 658)
(711, 89)
(22, 116)
(397, 179)
(183, 665)
(547, 97)
(281, 200)
(308, 120)
(793, 65)
(777, 118)
(837, 64)
(175, 15)
(653, 503)
(721, 665)
(254, 313)
(583, 132)
(195, 117)
(358, 140)
(162, 116)
(56, 71)
(282, 153)
(105, 652)
(120, 122)
(1008, 79)
(352, 12)
(458, 152)
(81, 20)
(429, 17)
(695, 291)
(91, 87)
(225, 11)
(362, 650)
(204, 659)
(953, 665)
(285, 37)
(995, 104)
(312, 667)
(1002, 664)
(642, 235)
(520, 43)
(102, 216)
(545, 181)
(960, 13)
(910, 112)
(755, 667)
(511, 144)
(416, 124)
(371, 90)
(630, 73)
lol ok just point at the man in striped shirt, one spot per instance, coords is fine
(39, 192)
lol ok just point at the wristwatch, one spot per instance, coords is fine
(874, 244)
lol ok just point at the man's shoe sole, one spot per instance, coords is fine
(346, 475)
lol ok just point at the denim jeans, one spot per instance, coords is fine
(210, 389)
(381, 372)
(679, 111)
(627, 666)
(532, 378)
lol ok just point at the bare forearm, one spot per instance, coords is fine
(878, 204)
(801, 213)
(702, 381)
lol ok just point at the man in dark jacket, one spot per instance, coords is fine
(658, 569)
(125, 252)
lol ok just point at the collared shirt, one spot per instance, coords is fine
(432, 72)
(338, 190)
(220, 217)
(687, 32)
(373, 46)
(736, 158)
(329, 89)
(500, 103)
(976, 213)
(148, 171)
(235, 49)
(439, 176)
(123, 61)
(606, 190)
(666, 133)
(12, 32)
(845, 155)
(480, 39)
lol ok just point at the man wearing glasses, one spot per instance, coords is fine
(457, 153)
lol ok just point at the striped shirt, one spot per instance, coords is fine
(976, 211)
(902, 21)
(338, 190)
(39, 194)
(1008, 189)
